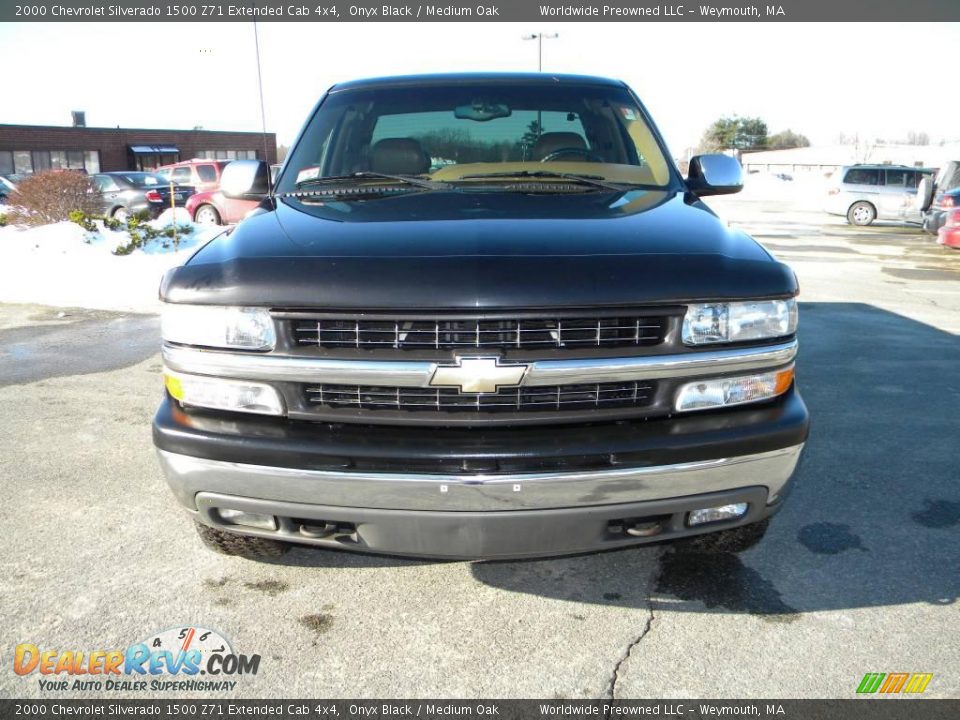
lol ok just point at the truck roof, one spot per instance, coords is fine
(529, 78)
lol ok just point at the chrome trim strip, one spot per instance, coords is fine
(248, 366)
(654, 367)
(189, 476)
(266, 367)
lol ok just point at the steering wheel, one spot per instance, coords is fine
(585, 152)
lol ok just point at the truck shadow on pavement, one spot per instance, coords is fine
(874, 513)
(98, 341)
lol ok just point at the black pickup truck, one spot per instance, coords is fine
(480, 316)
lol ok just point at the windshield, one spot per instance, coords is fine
(450, 133)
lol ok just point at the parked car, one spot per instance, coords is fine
(8, 185)
(949, 232)
(549, 345)
(202, 175)
(214, 208)
(123, 194)
(864, 193)
(937, 196)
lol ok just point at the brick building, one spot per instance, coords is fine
(30, 148)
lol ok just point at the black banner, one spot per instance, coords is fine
(439, 709)
(480, 10)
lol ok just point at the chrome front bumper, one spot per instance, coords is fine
(188, 476)
(480, 516)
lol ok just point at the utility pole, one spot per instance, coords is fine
(540, 37)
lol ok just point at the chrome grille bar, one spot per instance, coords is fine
(441, 334)
(561, 397)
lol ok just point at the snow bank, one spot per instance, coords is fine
(67, 266)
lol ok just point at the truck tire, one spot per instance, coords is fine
(861, 213)
(734, 540)
(252, 548)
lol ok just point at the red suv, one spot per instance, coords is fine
(204, 175)
(215, 208)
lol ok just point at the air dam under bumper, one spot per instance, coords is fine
(477, 516)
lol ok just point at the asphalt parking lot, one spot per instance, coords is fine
(859, 573)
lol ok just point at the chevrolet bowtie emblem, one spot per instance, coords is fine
(478, 375)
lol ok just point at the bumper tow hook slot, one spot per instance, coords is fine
(644, 529)
(318, 531)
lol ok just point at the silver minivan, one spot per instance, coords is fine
(864, 193)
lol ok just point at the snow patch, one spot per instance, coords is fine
(64, 265)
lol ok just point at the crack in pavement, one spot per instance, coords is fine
(611, 691)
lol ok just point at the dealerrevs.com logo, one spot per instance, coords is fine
(190, 659)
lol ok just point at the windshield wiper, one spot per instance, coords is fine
(592, 180)
(367, 175)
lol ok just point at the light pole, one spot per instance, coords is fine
(540, 37)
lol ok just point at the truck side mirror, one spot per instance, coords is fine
(714, 174)
(245, 180)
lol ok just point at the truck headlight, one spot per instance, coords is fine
(737, 321)
(723, 392)
(215, 326)
(222, 394)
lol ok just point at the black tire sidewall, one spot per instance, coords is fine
(245, 546)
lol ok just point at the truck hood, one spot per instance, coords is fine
(478, 250)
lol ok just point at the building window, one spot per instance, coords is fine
(41, 160)
(91, 161)
(227, 155)
(65, 160)
(21, 162)
(25, 162)
(151, 161)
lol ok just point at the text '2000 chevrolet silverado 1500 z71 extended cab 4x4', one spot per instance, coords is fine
(480, 316)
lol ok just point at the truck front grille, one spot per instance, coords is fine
(522, 399)
(489, 334)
